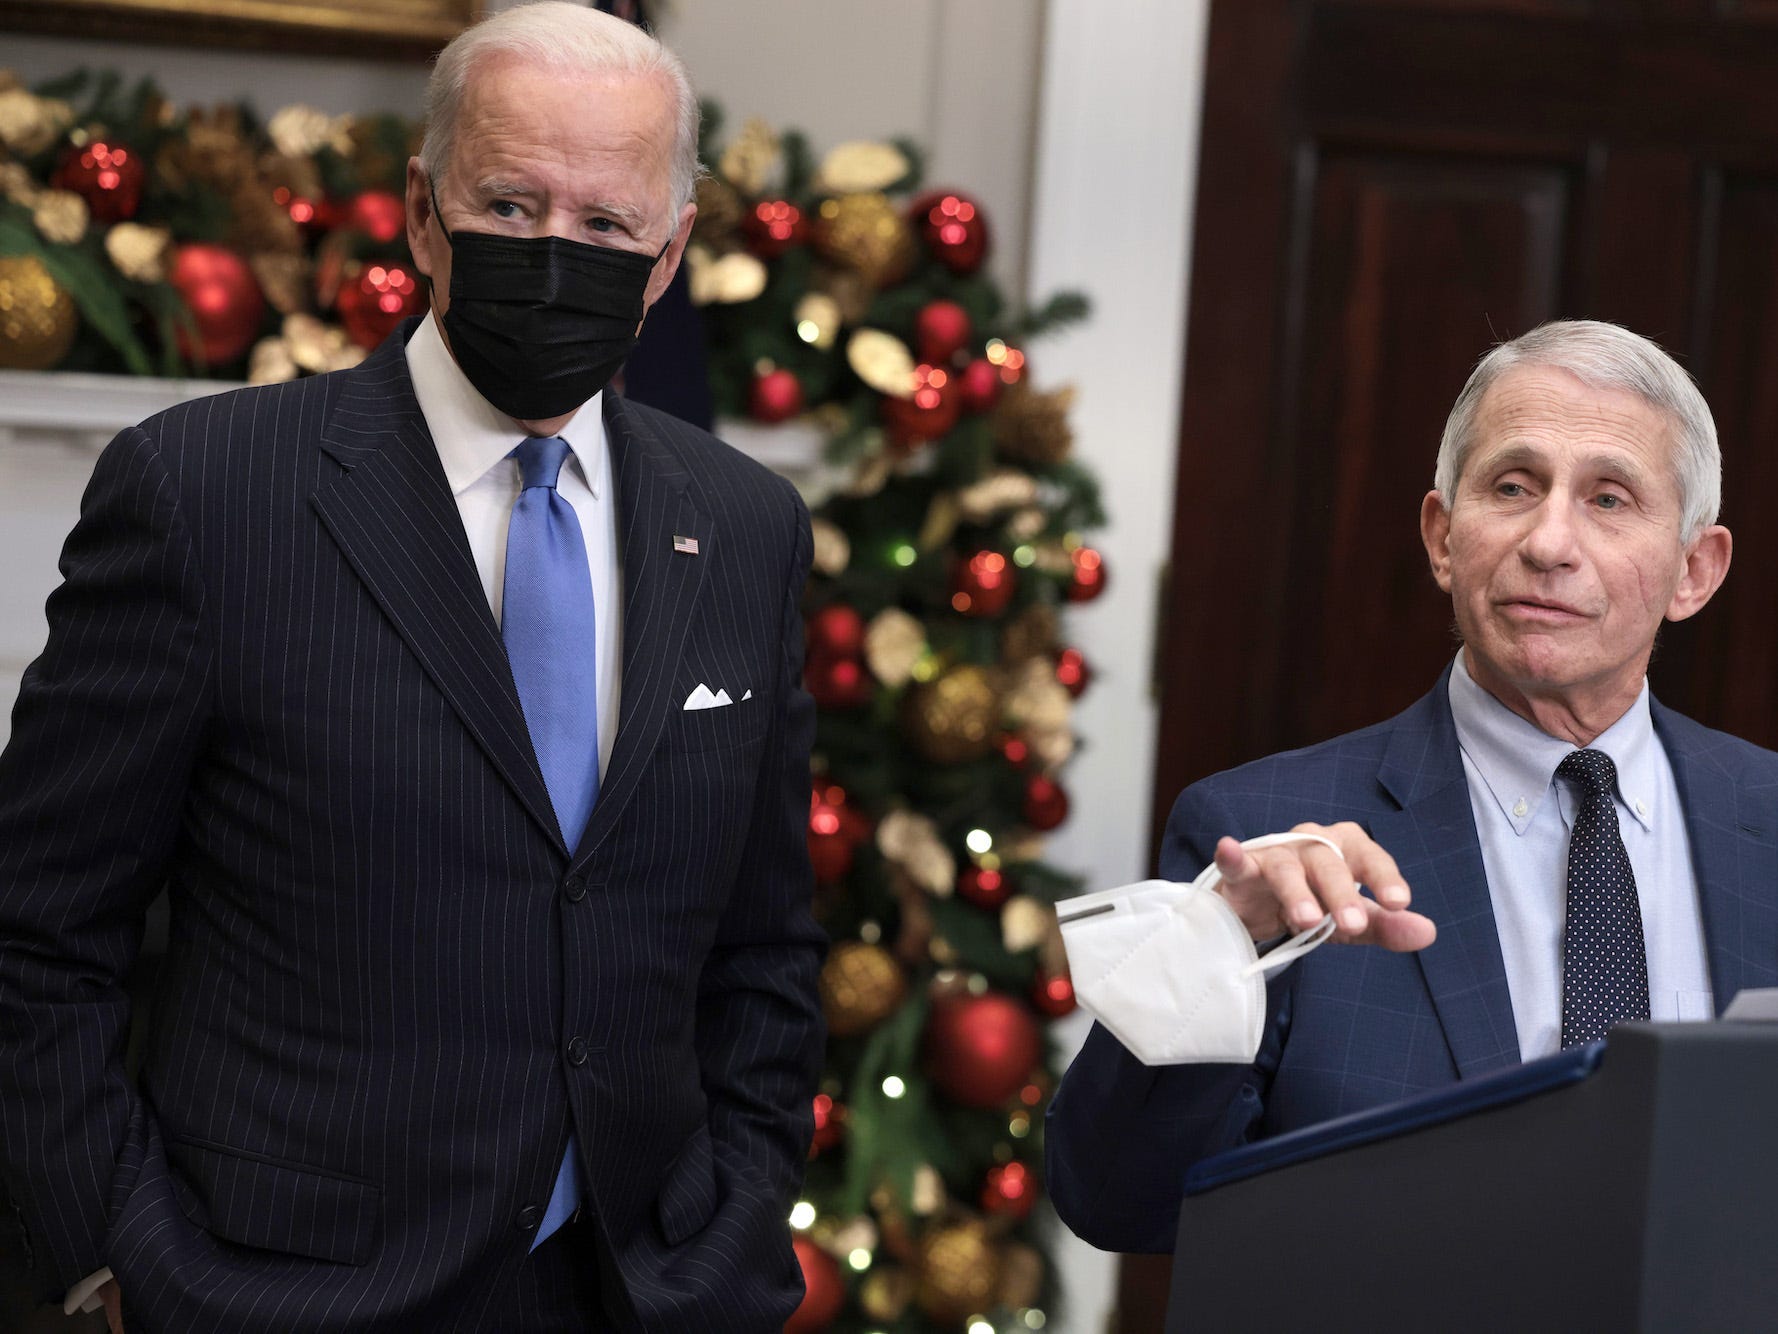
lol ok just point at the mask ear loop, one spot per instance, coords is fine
(438, 217)
(1290, 952)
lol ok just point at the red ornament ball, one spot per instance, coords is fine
(838, 683)
(831, 841)
(777, 395)
(375, 298)
(824, 1290)
(987, 889)
(981, 1049)
(984, 584)
(1072, 671)
(978, 385)
(836, 631)
(1087, 580)
(774, 226)
(380, 214)
(941, 330)
(926, 414)
(954, 229)
(225, 302)
(1053, 994)
(1010, 1190)
(1014, 748)
(1045, 805)
(830, 1125)
(304, 212)
(108, 175)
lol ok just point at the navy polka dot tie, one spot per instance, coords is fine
(1604, 961)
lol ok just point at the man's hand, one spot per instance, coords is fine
(1290, 888)
(113, 1306)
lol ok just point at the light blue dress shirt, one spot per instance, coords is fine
(1523, 818)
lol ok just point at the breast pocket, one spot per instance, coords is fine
(719, 727)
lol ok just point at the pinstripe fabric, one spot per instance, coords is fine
(1350, 1028)
(273, 682)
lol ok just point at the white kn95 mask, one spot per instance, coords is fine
(1170, 970)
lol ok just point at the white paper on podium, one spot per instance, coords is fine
(1755, 1005)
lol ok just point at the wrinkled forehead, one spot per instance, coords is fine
(1535, 412)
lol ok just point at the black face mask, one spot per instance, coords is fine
(541, 324)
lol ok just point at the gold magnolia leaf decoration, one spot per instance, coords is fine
(911, 842)
(60, 216)
(861, 166)
(726, 280)
(833, 549)
(16, 184)
(749, 159)
(1027, 525)
(301, 131)
(818, 320)
(139, 252)
(1004, 489)
(871, 473)
(893, 642)
(29, 124)
(1025, 923)
(271, 362)
(287, 281)
(929, 1191)
(941, 522)
(882, 361)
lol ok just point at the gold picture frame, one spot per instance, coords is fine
(391, 28)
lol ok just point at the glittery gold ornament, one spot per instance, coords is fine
(951, 719)
(911, 843)
(748, 160)
(882, 361)
(959, 1271)
(270, 362)
(861, 166)
(1025, 923)
(1021, 1275)
(893, 643)
(37, 316)
(1032, 427)
(886, 1292)
(865, 233)
(300, 131)
(258, 223)
(818, 320)
(306, 337)
(1003, 489)
(849, 292)
(726, 280)
(213, 151)
(60, 216)
(29, 124)
(833, 549)
(140, 253)
(1033, 633)
(861, 985)
(286, 280)
(719, 210)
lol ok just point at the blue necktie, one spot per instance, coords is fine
(547, 620)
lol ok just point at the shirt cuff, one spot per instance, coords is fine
(83, 1297)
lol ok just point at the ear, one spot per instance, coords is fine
(419, 217)
(1435, 533)
(1706, 565)
(663, 272)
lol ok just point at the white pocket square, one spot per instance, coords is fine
(702, 698)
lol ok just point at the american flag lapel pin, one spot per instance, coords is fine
(685, 545)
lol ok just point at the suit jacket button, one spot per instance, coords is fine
(529, 1217)
(577, 1051)
(574, 888)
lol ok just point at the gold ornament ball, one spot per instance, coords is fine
(867, 234)
(37, 318)
(886, 1292)
(959, 1272)
(861, 985)
(951, 720)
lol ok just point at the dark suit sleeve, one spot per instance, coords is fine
(91, 785)
(760, 1033)
(1119, 1134)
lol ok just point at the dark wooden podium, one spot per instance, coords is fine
(1629, 1186)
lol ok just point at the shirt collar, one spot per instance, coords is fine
(1517, 760)
(473, 436)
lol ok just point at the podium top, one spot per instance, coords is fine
(1511, 1085)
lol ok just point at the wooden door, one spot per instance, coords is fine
(1386, 188)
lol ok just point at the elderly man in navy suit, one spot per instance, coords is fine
(1579, 855)
(457, 704)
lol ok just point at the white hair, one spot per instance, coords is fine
(1601, 356)
(567, 39)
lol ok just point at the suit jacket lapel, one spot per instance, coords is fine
(394, 517)
(1433, 840)
(661, 586)
(1733, 857)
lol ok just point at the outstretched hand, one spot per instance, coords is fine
(1290, 888)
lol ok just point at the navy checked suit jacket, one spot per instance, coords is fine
(273, 684)
(1351, 1027)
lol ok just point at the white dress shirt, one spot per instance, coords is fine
(1524, 817)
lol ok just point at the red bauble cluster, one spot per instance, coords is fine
(834, 672)
(927, 413)
(953, 228)
(1010, 1190)
(776, 395)
(379, 214)
(983, 584)
(941, 330)
(824, 1290)
(107, 175)
(978, 385)
(980, 1050)
(1072, 671)
(375, 298)
(225, 302)
(1087, 580)
(830, 1125)
(1045, 805)
(985, 888)
(836, 828)
(774, 226)
(1053, 993)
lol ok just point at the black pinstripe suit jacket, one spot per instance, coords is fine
(273, 684)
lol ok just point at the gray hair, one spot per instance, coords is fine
(1601, 356)
(564, 39)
